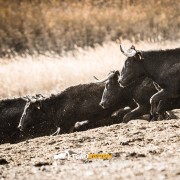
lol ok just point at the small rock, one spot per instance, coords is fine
(3, 161)
(134, 154)
(125, 143)
(176, 126)
(39, 164)
(116, 154)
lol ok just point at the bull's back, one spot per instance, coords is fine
(10, 113)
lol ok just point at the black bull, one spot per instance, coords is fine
(163, 67)
(10, 113)
(140, 90)
(75, 104)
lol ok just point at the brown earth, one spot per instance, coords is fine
(140, 150)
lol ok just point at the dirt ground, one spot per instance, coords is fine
(140, 150)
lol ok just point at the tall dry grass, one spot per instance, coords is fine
(52, 74)
(56, 26)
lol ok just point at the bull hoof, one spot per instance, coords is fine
(153, 117)
(57, 132)
(126, 119)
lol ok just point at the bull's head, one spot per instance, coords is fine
(132, 68)
(111, 90)
(32, 113)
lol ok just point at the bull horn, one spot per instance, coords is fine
(33, 100)
(104, 79)
(27, 98)
(95, 78)
(130, 53)
(39, 96)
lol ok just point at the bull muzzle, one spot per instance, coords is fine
(20, 127)
(102, 104)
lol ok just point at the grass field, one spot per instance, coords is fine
(52, 74)
(46, 46)
(57, 26)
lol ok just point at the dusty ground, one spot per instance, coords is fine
(140, 150)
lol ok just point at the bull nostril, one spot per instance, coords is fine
(20, 127)
(102, 105)
(120, 83)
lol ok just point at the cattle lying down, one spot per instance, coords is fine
(115, 118)
(75, 104)
(162, 66)
(10, 113)
(140, 91)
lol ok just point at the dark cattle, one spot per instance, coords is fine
(10, 113)
(75, 104)
(163, 67)
(141, 91)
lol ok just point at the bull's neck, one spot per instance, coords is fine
(49, 108)
(128, 92)
(132, 87)
(151, 68)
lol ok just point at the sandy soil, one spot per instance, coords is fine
(140, 150)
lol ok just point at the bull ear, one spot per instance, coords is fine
(133, 47)
(117, 73)
(139, 56)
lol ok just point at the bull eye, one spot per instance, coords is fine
(107, 86)
(127, 63)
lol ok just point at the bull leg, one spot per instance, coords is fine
(171, 115)
(57, 131)
(66, 128)
(121, 112)
(155, 102)
(161, 109)
(82, 126)
(71, 130)
(134, 114)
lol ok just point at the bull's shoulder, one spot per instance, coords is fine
(4, 102)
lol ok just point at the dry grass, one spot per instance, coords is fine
(58, 25)
(47, 74)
